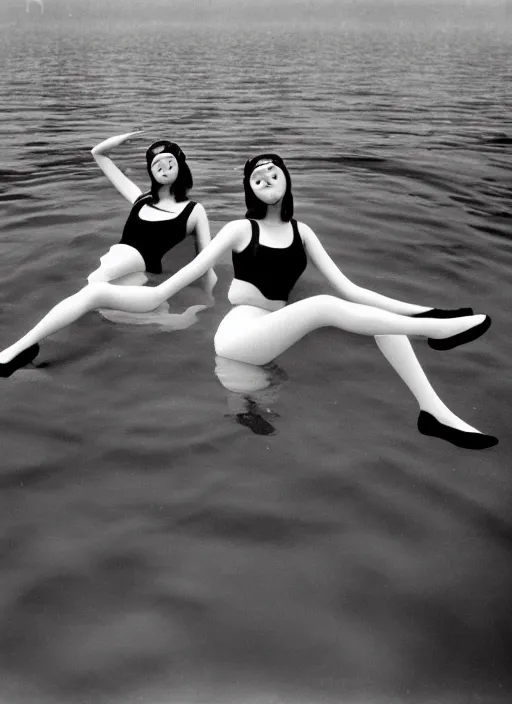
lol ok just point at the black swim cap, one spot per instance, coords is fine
(163, 146)
(255, 208)
(250, 164)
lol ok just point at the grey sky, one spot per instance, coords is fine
(188, 9)
(147, 5)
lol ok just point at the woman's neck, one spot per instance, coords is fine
(273, 217)
(165, 195)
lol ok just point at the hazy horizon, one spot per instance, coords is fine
(201, 10)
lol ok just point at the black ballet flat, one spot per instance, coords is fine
(444, 313)
(448, 343)
(21, 360)
(429, 425)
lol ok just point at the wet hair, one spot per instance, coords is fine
(183, 181)
(256, 209)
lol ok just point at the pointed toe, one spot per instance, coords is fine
(445, 313)
(429, 425)
(21, 360)
(462, 338)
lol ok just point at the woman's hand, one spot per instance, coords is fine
(209, 281)
(122, 183)
(112, 142)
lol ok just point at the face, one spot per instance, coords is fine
(165, 169)
(268, 182)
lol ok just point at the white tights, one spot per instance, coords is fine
(252, 335)
(256, 336)
(247, 333)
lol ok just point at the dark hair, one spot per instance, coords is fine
(255, 208)
(183, 181)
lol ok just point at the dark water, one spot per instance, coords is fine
(152, 548)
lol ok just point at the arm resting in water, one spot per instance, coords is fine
(137, 299)
(202, 240)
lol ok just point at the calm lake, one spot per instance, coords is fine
(154, 550)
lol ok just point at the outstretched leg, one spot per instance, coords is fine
(256, 336)
(435, 417)
(121, 263)
(259, 336)
(132, 299)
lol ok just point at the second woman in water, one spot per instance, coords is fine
(158, 221)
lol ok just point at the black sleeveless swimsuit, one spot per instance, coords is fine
(153, 239)
(274, 271)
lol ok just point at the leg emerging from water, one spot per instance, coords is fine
(132, 299)
(256, 336)
(123, 265)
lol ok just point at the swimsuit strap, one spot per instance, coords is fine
(255, 234)
(141, 200)
(188, 208)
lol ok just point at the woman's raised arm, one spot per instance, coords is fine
(122, 183)
(345, 287)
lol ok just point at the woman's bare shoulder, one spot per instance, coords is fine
(306, 233)
(239, 231)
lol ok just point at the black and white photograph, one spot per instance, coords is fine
(255, 352)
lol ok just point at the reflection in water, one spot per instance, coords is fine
(252, 390)
(159, 316)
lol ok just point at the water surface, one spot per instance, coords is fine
(153, 549)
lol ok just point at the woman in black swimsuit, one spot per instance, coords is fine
(270, 251)
(158, 221)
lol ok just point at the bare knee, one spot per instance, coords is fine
(93, 296)
(99, 275)
(106, 271)
(220, 345)
(325, 305)
(325, 300)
